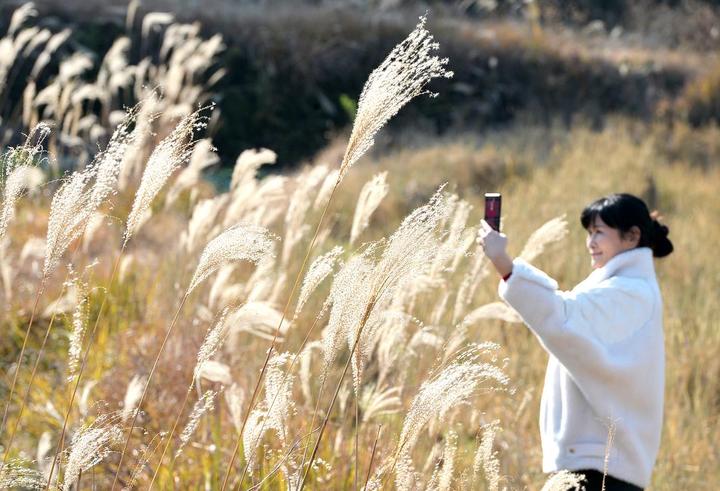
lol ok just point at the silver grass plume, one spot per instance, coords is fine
(406, 257)
(452, 387)
(16, 165)
(235, 398)
(486, 458)
(274, 411)
(202, 222)
(562, 481)
(304, 371)
(203, 156)
(165, 159)
(399, 78)
(278, 395)
(552, 231)
(109, 161)
(70, 210)
(214, 371)
(349, 296)
(326, 188)
(132, 165)
(254, 429)
(494, 310)
(133, 393)
(479, 270)
(257, 318)
(55, 42)
(80, 317)
(321, 267)
(77, 199)
(247, 164)
(20, 16)
(203, 406)
(365, 286)
(443, 474)
(211, 343)
(15, 474)
(376, 402)
(90, 445)
(300, 202)
(371, 194)
(238, 243)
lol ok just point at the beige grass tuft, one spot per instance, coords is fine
(402, 76)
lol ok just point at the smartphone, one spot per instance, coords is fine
(493, 203)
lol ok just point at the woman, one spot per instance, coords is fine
(605, 340)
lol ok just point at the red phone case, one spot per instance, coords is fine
(493, 204)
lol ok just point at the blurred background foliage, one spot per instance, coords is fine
(293, 70)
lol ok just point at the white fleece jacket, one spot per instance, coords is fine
(607, 363)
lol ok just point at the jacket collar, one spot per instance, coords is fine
(633, 263)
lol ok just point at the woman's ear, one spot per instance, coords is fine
(633, 235)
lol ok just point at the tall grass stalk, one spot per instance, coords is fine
(334, 397)
(372, 457)
(286, 374)
(169, 439)
(357, 435)
(19, 361)
(27, 390)
(37, 360)
(136, 412)
(251, 243)
(210, 345)
(399, 78)
(78, 377)
(270, 350)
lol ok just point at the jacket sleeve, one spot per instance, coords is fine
(584, 330)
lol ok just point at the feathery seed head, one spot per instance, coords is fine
(79, 323)
(486, 457)
(90, 445)
(369, 199)
(70, 210)
(17, 168)
(16, 474)
(203, 405)
(552, 231)
(453, 386)
(211, 343)
(109, 161)
(238, 243)
(399, 78)
(494, 310)
(317, 272)
(563, 480)
(165, 159)
(132, 396)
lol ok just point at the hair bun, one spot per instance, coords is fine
(660, 229)
(661, 245)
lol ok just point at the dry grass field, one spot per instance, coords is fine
(330, 327)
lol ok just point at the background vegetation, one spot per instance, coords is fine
(552, 105)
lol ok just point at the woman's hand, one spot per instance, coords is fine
(494, 244)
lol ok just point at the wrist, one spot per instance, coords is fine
(503, 263)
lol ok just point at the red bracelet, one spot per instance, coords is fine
(505, 278)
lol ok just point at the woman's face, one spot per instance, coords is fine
(604, 242)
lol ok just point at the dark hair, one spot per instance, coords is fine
(623, 211)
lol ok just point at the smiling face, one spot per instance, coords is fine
(604, 242)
